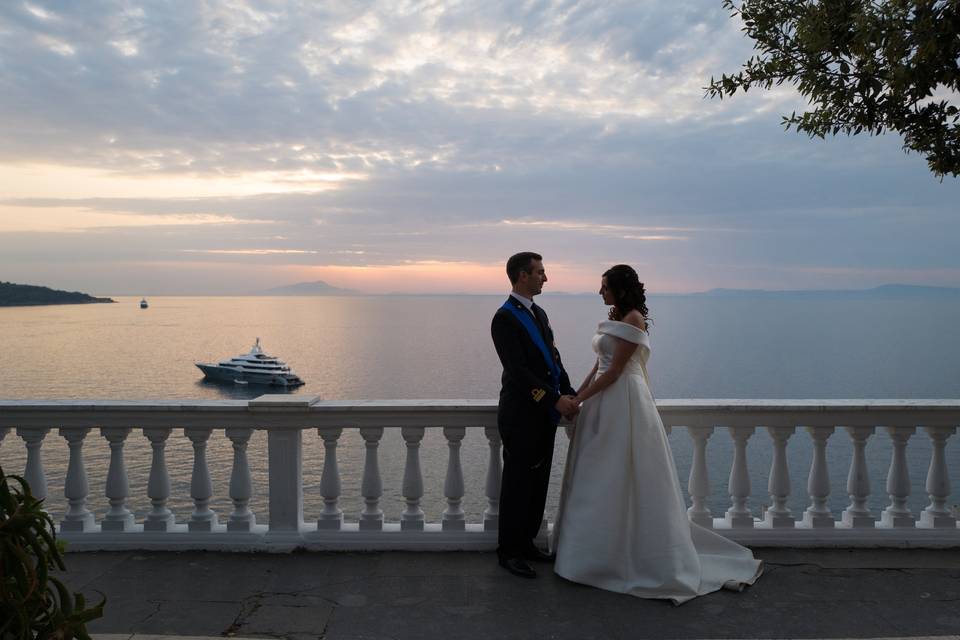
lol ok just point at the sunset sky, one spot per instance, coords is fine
(222, 147)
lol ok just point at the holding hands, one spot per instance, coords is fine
(568, 406)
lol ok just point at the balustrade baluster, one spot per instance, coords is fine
(491, 515)
(331, 517)
(936, 515)
(201, 488)
(699, 483)
(3, 434)
(738, 515)
(33, 472)
(372, 487)
(898, 481)
(241, 484)
(453, 516)
(75, 487)
(119, 517)
(857, 515)
(412, 518)
(160, 517)
(779, 515)
(817, 515)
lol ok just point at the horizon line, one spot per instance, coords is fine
(360, 293)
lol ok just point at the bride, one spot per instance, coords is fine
(622, 523)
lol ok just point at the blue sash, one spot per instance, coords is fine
(537, 338)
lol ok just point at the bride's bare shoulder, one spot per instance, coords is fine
(636, 319)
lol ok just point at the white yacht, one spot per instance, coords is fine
(254, 367)
(143, 303)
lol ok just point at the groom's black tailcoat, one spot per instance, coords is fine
(526, 423)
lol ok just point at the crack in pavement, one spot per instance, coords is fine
(256, 601)
(157, 604)
(243, 615)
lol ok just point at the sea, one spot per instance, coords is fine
(439, 346)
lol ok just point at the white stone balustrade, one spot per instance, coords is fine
(739, 515)
(372, 516)
(286, 418)
(857, 515)
(936, 515)
(75, 487)
(241, 485)
(699, 484)
(491, 515)
(778, 515)
(33, 473)
(898, 481)
(160, 517)
(119, 517)
(453, 516)
(817, 515)
(331, 517)
(203, 518)
(413, 517)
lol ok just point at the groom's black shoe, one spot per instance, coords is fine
(534, 554)
(518, 567)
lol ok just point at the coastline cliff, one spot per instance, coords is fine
(23, 295)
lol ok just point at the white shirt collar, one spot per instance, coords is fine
(527, 302)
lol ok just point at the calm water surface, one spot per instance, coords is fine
(439, 347)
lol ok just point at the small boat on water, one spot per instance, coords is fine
(254, 367)
(143, 303)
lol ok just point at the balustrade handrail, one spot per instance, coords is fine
(290, 411)
(285, 417)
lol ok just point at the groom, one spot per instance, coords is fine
(535, 392)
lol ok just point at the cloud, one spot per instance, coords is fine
(282, 139)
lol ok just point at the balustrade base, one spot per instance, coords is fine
(888, 519)
(160, 525)
(818, 521)
(777, 521)
(936, 521)
(205, 526)
(737, 521)
(411, 525)
(852, 521)
(454, 525)
(80, 524)
(124, 524)
(473, 538)
(371, 525)
(333, 524)
(241, 525)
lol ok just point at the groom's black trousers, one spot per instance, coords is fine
(527, 461)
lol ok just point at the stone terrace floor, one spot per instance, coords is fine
(812, 593)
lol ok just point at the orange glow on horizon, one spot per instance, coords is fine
(466, 277)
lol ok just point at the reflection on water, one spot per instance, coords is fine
(233, 391)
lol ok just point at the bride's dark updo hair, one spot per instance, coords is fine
(627, 290)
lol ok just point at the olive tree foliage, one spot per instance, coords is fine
(863, 65)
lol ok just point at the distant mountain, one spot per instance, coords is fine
(24, 295)
(883, 291)
(317, 288)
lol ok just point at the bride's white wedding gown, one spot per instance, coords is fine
(622, 523)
